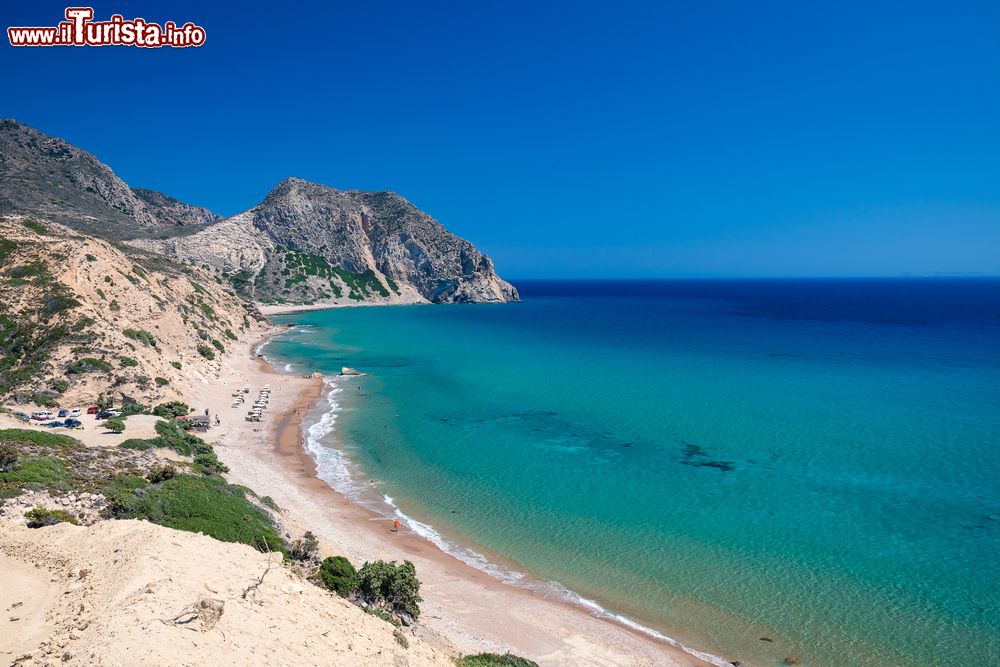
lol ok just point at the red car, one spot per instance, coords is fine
(92, 410)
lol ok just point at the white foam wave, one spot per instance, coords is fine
(597, 610)
(331, 464)
(334, 468)
(464, 554)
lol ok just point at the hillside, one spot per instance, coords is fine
(309, 243)
(80, 317)
(47, 177)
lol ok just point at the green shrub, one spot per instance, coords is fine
(123, 484)
(44, 401)
(127, 361)
(494, 660)
(162, 474)
(40, 517)
(114, 425)
(59, 385)
(176, 364)
(268, 501)
(34, 226)
(390, 587)
(83, 323)
(140, 335)
(8, 457)
(130, 409)
(88, 365)
(207, 462)
(337, 574)
(206, 351)
(91, 258)
(305, 547)
(138, 444)
(37, 472)
(114, 306)
(161, 381)
(20, 274)
(173, 435)
(400, 638)
(42, 438)
(171, 410)
(56, 303)
(198, 504)
(7, 248)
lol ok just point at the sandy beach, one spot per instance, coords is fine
(464, 607)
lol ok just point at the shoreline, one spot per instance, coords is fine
(269, 309)
(465, 607)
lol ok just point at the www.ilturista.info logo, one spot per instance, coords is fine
(79, 29)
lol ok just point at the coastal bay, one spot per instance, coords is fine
(464, 608)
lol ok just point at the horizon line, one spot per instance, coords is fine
(771, 278)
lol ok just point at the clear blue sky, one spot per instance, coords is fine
(574, 139)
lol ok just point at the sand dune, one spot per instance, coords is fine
(96, 596)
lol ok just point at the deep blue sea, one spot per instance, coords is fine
(756, 468)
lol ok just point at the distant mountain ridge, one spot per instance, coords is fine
(306, 243)
(48, 177)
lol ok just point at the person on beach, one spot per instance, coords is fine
(395, 526)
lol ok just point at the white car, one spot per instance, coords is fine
(75, 412)
(42, 416)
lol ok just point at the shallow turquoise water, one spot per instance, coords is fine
(811, 462)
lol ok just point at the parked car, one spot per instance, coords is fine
(63, 413)
(107, 414)
(73, 423)
(42, 416)
(75, 412)
(55, 424)
(92, 410)
(23, 416)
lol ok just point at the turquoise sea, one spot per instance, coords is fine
(755, 468)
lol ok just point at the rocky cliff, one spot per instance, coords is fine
(45, 176)
(309, 243)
